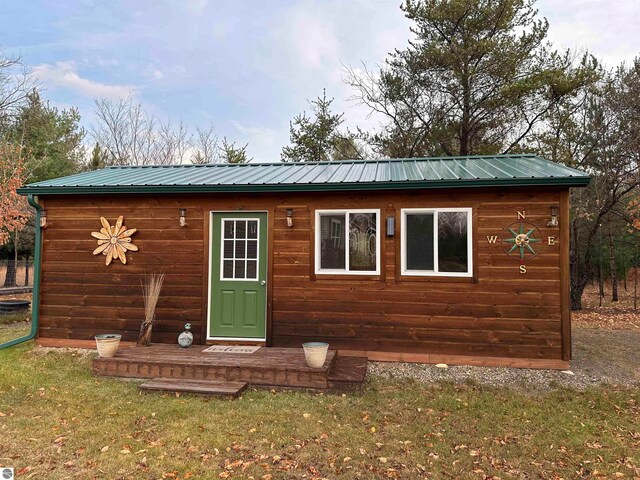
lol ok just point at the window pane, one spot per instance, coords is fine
(252, 249)
(252, 231)
(227, 271)
(252, 266)
(228, 249)
(241, 229)
(240, 248)
(228, 228)
(419, 241)
(239, 269)
(452, 242)
(362, 241)
(332, 241)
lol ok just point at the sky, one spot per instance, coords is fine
(247, 66)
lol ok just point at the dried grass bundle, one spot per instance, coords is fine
(151, 286)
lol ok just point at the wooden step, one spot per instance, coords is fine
(202, 387)
(347, 374)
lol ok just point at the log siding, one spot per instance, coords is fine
(497, 312)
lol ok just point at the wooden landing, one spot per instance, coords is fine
(268, 367)
(202, 387)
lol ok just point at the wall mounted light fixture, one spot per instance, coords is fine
(554, 216)
(289, 217)
(391, 226)
(183, 217)
(43, 218)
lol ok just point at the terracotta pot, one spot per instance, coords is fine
(315, 353)
(107, 344)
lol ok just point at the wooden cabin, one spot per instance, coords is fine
(454, 260)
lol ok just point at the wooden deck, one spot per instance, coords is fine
(278, 368)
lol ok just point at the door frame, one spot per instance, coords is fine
(210, 278)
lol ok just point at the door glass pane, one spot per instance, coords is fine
(362, 241)
(419, 241)
(228, 228)
(452, 242)
(252, 249)
(252, 269)
(228, 249)
(227, 269)
(240, 253)
(252, 229)
(239, 269)
(332, 241)
(241, 229)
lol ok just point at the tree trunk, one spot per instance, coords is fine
(612, 266)
(26, 269)
(576, 292)
(144, 338)
(576, 295)
(10, 278)
(600, 284)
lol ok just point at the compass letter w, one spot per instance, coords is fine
(492, 239)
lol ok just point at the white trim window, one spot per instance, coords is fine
(347, 242)
(436, 242)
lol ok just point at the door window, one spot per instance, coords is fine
(239, 249)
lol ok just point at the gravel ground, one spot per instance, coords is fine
(600, 357)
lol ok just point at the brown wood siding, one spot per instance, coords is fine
(497, 313)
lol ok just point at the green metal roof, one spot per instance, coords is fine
(442, 172)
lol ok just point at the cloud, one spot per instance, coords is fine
(64, 75)
(265, 143)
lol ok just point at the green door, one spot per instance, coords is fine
(238, 275)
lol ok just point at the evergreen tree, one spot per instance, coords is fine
(318, 138)
(477, 78)
(53, 138)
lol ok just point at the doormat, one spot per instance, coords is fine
(231, 349)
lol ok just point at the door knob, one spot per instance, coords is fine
(263, 283)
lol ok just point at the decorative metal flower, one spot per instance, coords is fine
(114, 240)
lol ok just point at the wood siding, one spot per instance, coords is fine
(497, 313)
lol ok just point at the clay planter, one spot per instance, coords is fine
(315, 353)
(107, 344)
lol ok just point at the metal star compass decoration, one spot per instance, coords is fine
(524, 241)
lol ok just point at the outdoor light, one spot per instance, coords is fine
(183, 217)
(391, 226)
(554, 217)
(43, 218)
(289, 217)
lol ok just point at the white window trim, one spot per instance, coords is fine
(435, 272)
(346, 271)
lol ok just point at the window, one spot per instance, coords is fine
(239, 249)
(347, 241)
(436, 242)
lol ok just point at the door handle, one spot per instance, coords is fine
(263, 283)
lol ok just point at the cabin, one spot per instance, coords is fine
(438, 260)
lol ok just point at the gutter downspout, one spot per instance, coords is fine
(35, 300)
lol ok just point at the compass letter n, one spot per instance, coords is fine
(521, 215)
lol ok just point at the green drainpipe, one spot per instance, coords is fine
(35, 300)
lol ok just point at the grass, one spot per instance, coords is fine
(57, 421)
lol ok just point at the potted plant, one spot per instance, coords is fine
(315, 353)
(107, 344)
(151, 286)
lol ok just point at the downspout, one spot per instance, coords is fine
(35, 300)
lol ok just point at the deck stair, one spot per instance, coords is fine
(268, 367)
(201, 387)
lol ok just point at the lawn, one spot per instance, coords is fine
(57, 421)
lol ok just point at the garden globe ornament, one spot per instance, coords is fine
(185, 339)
